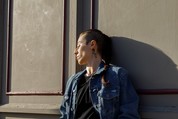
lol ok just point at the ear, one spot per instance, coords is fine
(93, 44)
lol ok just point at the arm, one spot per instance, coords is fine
(65, 105)
(128, 97)
(63, 111)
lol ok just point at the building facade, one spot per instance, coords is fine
(38, 37)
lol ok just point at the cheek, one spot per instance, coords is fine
(85, 54)
(82, 60)
(83, 51)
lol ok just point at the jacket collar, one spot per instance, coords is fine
(100, 68)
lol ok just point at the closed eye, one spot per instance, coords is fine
(78, 46)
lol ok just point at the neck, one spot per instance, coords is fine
(92, 66)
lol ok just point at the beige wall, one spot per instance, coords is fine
(144, 38)
(145, 42)
(146, 31)
(36, 58)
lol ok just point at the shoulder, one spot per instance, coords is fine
(121, 74)
(117, 70)
(118, 74)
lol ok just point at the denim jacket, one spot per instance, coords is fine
(118, 100)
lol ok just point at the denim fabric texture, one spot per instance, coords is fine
(117, 100)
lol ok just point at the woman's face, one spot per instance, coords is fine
(83, 51)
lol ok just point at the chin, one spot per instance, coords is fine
(81, 63)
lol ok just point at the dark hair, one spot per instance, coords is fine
(103, 41)
(104, 44)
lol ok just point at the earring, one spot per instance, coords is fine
(94, 53)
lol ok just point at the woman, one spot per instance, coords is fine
(101, 91)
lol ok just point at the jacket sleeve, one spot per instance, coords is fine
(128, 97)
(63, 111)
(65, 105)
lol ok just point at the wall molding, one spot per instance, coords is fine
(157, 91)
(8, 60)
(50, 109)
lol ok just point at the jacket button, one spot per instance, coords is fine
(98, 105)
(94, 90)
(73, 90)
(66, 97)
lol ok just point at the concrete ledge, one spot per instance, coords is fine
(49, 109)
(146, 112)
(159, 112)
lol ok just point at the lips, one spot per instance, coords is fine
(77, 57)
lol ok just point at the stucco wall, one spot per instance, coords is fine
(34, 34)
(145, 42)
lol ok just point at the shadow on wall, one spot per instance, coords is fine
(149, 68)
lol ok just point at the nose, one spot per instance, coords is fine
(75, 51)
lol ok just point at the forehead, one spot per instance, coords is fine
(81, 39)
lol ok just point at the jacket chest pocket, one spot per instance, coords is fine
(109, 93)
(108, 99)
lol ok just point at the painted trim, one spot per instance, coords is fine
(157, 91)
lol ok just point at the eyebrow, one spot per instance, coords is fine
(80, 42)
